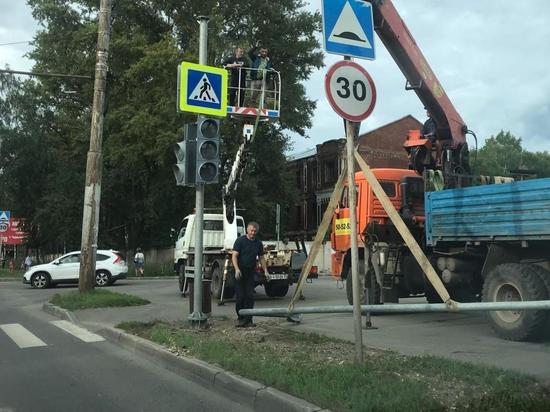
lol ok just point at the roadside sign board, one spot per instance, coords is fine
(202, 89)
(348, 28)
(4, 220)
(350, 90)
(11, 229)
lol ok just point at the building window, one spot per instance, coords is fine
(299, 177)
(331, 171)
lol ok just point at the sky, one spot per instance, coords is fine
(492, 57)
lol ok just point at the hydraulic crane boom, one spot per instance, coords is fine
(397, 39)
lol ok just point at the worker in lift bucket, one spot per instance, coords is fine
(246, 250)
(236, 65)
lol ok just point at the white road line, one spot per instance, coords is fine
(21, 336)
(81, 333)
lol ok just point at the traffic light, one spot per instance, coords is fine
(185, 151)
(208, 151)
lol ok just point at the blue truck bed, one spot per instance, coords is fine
(509, 211)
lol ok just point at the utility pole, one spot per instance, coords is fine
(198, 318)
(92, 190)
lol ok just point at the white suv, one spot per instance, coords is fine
(110, 266)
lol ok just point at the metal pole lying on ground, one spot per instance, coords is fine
(403, 308)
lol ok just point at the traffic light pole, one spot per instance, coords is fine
(198, 318)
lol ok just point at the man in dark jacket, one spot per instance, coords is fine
(429, 128)
(236, 64)
(260, 66)
(246, 250)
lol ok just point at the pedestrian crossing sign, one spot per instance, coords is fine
(202, 89)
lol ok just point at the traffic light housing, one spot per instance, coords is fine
(185, 151)
(208, 151)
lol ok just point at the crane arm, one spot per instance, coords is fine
(399, 42)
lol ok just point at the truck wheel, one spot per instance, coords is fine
(515, 282)
(181, 276)
(275, 289)
(217, 282)
(545, 277)
(363, 290)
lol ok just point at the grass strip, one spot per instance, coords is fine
(16, 273)
(321, 370)
(95, 299)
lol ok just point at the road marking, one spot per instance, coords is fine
(21, 336)
(81, 333)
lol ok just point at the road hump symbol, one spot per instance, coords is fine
(348, 30)
(204, 91)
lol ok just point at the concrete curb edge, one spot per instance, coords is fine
(59, 312)
(254, 394)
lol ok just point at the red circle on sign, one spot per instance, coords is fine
(335, 105)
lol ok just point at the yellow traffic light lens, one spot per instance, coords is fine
(209, 150)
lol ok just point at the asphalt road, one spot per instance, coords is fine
(466, 337)
(45, 368)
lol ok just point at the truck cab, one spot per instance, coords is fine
(405, 190)
(213, 235)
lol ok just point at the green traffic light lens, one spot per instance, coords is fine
(208, 172)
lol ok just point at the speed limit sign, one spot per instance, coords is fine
(350, 90)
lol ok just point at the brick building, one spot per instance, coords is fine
(317, 170)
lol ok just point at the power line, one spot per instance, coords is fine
(68, 76)
(16, 42)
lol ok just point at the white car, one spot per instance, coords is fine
(110, 266)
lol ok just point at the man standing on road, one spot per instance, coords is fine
(246, 250)
(27, 263)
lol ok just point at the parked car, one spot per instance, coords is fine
(110, 267)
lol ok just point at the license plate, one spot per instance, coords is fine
(277, 276)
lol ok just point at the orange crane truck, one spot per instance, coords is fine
(486, 242)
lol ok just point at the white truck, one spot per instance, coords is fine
(284, 264)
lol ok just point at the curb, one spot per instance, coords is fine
(59, 312)
(150, 278)
(251, 393)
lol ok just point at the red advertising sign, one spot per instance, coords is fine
(11, 232)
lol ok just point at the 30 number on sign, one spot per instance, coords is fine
(350, 90)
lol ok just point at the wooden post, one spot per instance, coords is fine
(403, 230)
(92, 191)
(319, 236)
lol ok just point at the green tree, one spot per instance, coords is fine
(499, 155)
(148, 40)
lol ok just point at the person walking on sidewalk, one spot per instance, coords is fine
(246, 250)
(139, 262)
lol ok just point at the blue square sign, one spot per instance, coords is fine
(202, 89)
(348, 28)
